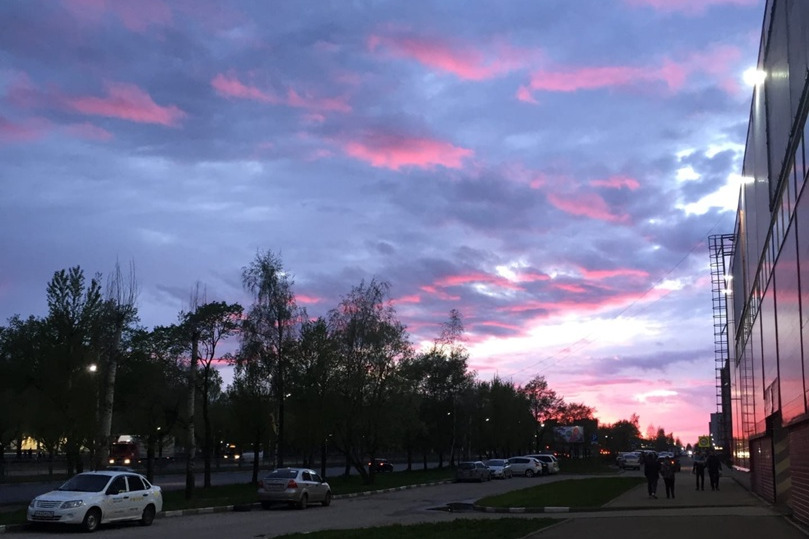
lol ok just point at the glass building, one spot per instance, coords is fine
(767, 306)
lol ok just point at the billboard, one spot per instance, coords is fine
(573, 434)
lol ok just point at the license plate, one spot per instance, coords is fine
(43, 514)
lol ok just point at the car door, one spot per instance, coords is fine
(116, 503)
(318, 486)
(309, 485)
(138, 496)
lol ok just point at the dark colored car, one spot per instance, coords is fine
(380, 465)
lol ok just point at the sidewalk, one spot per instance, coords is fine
(731, 493)
(733, 512)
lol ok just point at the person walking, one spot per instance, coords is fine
(699, 470)
(651, 469)
(714, 466)
(668, 474)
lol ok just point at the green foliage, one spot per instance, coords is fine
(461, 528)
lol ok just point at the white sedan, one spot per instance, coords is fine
(93, 498)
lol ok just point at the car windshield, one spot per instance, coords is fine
(283, 474)
(86, 483)
(496, 462)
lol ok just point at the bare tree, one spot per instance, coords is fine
(119, 312)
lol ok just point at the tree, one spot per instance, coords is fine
(250, 396)
(268, 329)
(74, 318)
(371, 343)
(544, 405)
(21, 350)
(212, 322)
(313, 376)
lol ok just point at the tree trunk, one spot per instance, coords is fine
(208, 443)
(191, 435)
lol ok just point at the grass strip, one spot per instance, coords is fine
(462, 528)
(590, 492)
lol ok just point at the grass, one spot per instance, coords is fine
(591, 492)
(503, 528)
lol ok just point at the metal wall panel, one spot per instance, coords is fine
(799, 449)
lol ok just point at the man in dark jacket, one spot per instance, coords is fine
(699, 470)
(714, 469)
(651, 469)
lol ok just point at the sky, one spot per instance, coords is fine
(551, 169)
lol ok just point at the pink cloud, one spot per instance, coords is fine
(599, 275)
(439, 294)
(463, 61)
(395, 151)
(718, 62)
(477, 278)
(524, 94)
(89, 131)
(693, 7)
(127, 102)
(307, 300)
(135, 16)
(587, 205)
(20, 132)
(617, 182)
(230, 86)
(413, 298)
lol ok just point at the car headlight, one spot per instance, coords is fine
(33, 503)
(72, 504)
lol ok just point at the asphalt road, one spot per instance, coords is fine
(17, 493)
(404, 507)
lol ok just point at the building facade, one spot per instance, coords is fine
(768, 278)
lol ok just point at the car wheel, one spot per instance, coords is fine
(91, 520)
(303, 502)
(529, 473)
(327, 500)
(147, 517)
(266, 505)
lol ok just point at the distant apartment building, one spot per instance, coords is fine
(767, 281)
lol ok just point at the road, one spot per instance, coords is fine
(404, 507)
(16, 493)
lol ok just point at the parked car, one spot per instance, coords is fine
(294, 486)
(380, 465)
(472, 471)
(93, 498)
(630, 461)
(499, 468)
(527, 466)
(551, 463)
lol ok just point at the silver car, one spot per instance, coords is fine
(93, 498)
(499, 468)
(472, 470)
(294, 486)
(527, 466)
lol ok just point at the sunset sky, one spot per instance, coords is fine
(551, 169)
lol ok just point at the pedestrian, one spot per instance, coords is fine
(651, 469)
(668, 474)
(714, 466)
(699, 470)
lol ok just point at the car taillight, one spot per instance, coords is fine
(261, 484)
(292, 484)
